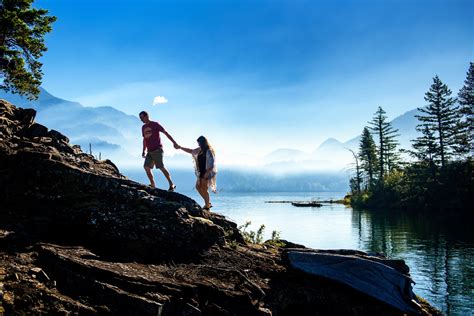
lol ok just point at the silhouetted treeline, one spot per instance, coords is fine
(436, 173)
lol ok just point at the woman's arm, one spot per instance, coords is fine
(188, 150)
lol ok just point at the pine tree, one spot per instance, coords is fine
(388, 156)
(392, 153)
(368, 156)
(357, 180)
(466, 100)
(22, 31)
(442, 118)
(425, 147)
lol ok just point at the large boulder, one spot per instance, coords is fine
(55, 191)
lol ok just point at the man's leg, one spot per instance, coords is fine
(158, 159)
(167, 176)
(149, 173)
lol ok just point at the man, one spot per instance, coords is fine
(154, 150)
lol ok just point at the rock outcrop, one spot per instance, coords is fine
(61, 193)
(78, 237)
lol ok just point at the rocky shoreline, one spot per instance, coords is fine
(76, 237)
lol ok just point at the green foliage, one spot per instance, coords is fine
(347, 199)
(360, 200)
(276, 240)
(252, 236)
(275, 236)
(257, 237)
(230, 238)
(22, 31)
(417, 188)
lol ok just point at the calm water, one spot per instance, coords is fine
(440, 253)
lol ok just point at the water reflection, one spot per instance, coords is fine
(439, 252)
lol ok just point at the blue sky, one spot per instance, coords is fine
(255, 76)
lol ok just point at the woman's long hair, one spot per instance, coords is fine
(204, 145)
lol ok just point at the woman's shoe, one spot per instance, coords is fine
(172, 188)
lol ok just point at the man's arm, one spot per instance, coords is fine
(144, 148)
(170, 138)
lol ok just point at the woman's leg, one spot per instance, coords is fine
(198, 188)
(205, 193)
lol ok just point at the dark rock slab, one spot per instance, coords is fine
(371, 277)
(57, 135)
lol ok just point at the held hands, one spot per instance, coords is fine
(176, 146)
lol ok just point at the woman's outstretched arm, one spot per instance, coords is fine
(188, 150)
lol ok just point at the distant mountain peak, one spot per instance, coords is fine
(284, 150)
(330, 142)
(284, 155)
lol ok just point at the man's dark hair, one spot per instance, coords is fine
(143, 113)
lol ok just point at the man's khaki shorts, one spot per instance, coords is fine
(154, 158)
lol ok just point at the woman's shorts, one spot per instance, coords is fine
(154, 158)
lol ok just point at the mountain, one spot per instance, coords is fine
(331, 155)
(110, 132)
(285, 155)
(330, 149)
(335, 155)
(406, 125)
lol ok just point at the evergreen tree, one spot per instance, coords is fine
(392, 153)
(356, 182)
(368, 156)
(442, 118)
(466, 100)
(22, 31)
(425, 148)
(388, 155)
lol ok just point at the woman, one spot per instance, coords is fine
(206, 169)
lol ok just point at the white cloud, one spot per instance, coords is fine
(159, 100)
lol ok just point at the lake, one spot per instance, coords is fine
(439, 252)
